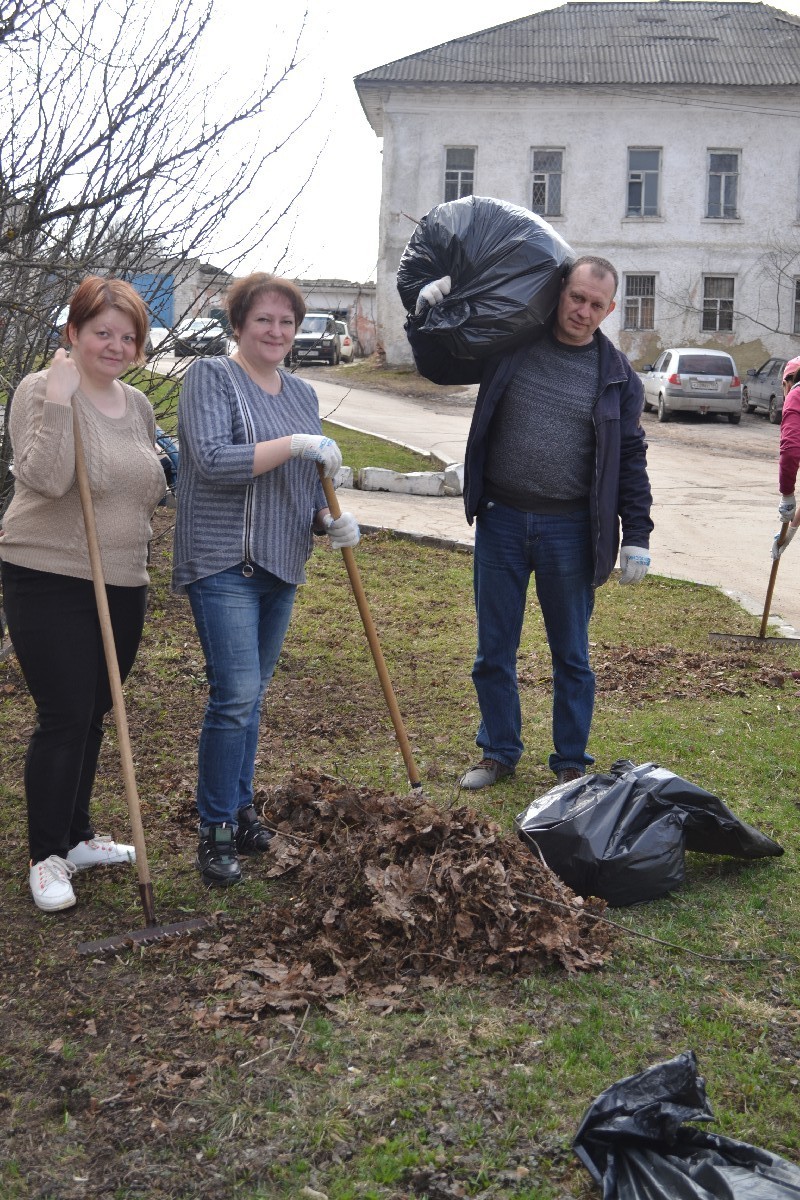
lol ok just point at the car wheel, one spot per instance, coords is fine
(335, 356)
(647, 406)
(746, 405)
(734, 418)
(774, 411)
(663, 411)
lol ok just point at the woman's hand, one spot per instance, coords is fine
(319, 449)
(63, 379)
(343, 531)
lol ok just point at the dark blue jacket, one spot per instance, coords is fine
(620, 486)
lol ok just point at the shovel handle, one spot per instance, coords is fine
(114, 678)
(771, 586)
(372, 638)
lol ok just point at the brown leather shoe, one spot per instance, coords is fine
(569, 775)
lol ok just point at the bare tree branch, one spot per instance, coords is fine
(118, 157)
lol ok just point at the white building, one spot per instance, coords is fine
(662, 135)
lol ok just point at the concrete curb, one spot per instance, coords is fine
(411, 483)
(421, 539)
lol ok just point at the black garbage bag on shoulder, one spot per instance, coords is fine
(622, 835)
(633, 1142)
(505, 265)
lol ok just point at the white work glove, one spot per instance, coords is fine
(633, 563)
(343, 530)
(433, 293)
(787, 508)
(777, 550)
(319, 449)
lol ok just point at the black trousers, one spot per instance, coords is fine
(55, 631)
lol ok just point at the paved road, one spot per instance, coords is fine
(714, 488)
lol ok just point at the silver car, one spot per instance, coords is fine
(762, 390)
(693, 379)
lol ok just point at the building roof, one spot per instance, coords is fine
(641, 42)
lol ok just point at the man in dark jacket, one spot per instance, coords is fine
(556, 459)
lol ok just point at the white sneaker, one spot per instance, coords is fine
(50, 885)
(98, 851)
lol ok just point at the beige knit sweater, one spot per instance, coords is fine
(43, 526)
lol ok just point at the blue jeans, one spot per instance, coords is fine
(510, 546)
(241, 622)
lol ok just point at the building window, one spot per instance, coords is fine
(459, 173)
(548, 166)
(644, 169)
(796, 306)
(718, 303)
(723, 183)
(640, 302)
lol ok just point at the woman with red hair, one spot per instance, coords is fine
(47, 578)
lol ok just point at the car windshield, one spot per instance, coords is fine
(314, 325)
(341, 327)
(705, 364)
(198, 325)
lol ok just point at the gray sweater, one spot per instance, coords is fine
(541, 442)
(225, 514)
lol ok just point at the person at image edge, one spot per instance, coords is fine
(47, 577)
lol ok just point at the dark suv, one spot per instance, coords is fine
(318, 338)
(763, 389)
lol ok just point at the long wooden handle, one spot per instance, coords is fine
(372, 638)
(772, 577)
(115, 680)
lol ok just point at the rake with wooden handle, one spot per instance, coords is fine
(761, 639)
(372, 638)
(153, 931)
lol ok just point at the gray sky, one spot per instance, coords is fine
(335, 221)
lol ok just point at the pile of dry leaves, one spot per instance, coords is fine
(389, 891)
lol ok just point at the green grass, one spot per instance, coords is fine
(479, 1086)
(362, 450)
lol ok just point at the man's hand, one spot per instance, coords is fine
(633, 563)
(343, 531)
(787, 508)
(787, 534)
(319, 449)
(433, 293)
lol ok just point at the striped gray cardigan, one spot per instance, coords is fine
(225, 515)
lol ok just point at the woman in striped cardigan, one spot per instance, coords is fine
(249, 500)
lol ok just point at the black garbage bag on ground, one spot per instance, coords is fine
(633, 1142)
(505, 264)
(622, 835)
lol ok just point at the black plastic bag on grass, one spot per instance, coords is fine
(634, 1143)
(622, 836)
(505, 265)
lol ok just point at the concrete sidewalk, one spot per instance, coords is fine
(714, 515)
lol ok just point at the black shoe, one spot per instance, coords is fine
(251, 836)
(216, 856)
(569, 775)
